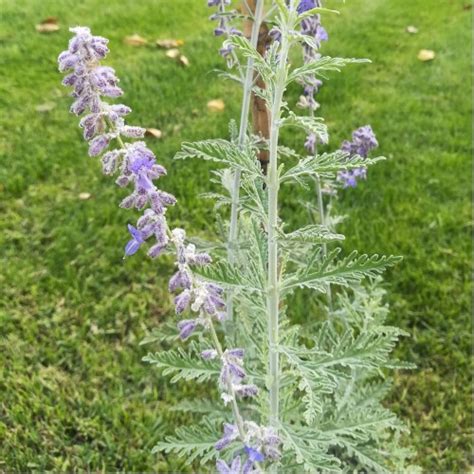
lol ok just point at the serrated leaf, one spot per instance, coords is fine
(228, 276)
(345, 272)
(327, 163)
(184, 366)
(324, 63)
(192, 442)
(222, 151)
(313, 234)
(307, 451)
(308, 124)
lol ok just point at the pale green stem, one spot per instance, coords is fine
(273, 290)
(322, 220)
(244, 116)
(322, 217)
(235, 407)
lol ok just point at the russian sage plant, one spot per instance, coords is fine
(291, 397)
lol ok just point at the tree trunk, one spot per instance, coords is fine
(260, 113)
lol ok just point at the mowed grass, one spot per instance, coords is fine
(74, 392)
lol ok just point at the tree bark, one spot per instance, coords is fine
(260, 113)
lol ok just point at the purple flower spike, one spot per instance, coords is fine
(135, 243)
(363, 141)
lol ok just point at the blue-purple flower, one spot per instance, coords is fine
(224, 27)
(363, 141)
(136, 241)
(104, 122)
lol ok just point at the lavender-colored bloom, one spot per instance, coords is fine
(98, 144)
(306, 5)
(224, 26)
(239, 353)
(135, 243)
(110, 161)
(181, 279)
(254, 455)
(104, 122)
(231, 433)
(234, 468)
(248, 467)
(181, 302)
(132, 132)
(310, 143)
(311, 27)
(363, 141)
(246, 390)
(186, 327)
(209, 354)
(156, 250)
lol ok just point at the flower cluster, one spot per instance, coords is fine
(203, 298)
(136, 166)
(261, 443)
(232, 374)
(103, 123)
(316, 33)
(363, 141)
(224, 25)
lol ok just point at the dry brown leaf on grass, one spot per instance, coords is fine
(153, 132)
(413, 30)
(169, 43)
(173, 53)
(426, 55)
(216, 105)
(184, 60)
(135, 40)
(48, 25)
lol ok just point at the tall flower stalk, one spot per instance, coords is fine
(284, 398)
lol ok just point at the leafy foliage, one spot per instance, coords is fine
(184, 365)
(222, 151)
(326, 164)
(327, 270)
(192, 442)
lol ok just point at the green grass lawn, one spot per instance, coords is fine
(74, 392)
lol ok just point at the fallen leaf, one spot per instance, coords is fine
(426, 55)
(48, 25)
(412, 29)
(216, 105)
(169, 43)
(135, 40)
(84, 196)
(153, 132)
(173, 53)
(184, 60)
(46, 107)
